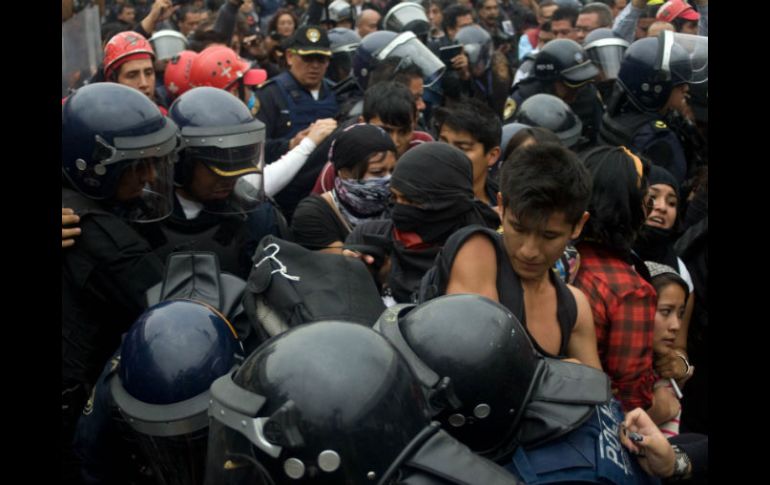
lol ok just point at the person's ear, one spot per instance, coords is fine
(579, 226)
(492, 156)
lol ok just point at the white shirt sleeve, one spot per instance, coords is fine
(279, 173)
(625, 23)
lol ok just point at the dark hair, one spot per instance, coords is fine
(392, 102)
(565, 13)
(680, 22)
(540, 180)
(537, 133)
(125, 6)
(474, 117)
(602, 10)
(272, 26)
(609, 3)
(663, 280)
(180, 14)
(449, 20)
(391, 69)
(616, 206)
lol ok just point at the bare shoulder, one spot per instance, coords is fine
(474, 269)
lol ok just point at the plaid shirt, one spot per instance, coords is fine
(623, 305)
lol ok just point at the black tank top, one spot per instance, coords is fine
(509, 289)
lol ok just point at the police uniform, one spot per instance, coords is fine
(648, 135)
(104, 280)
(285, 106)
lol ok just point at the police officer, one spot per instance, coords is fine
(650, 90)
(117, 154)
(562, 69)
(215, 209)
(297, 411)
(291, 101)
(545, 420)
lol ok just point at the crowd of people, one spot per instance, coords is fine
(370, 241)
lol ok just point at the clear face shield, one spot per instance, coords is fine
(141, 170)
(226, 169)
(408, 16)
(607, 54)
(479, 57)
(684, 57)
(408, 47)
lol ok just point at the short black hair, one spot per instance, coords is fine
(544, 179)
(392, 102)
(565, 13)
(449, 20)
(616, 205)
(394, 69)
(537, 133)
(663, 280)
(474, 117)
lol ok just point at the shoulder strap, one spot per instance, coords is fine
(566, 310)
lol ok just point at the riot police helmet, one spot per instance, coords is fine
(384, 44)
(606, 51)
(218, 130)
(653, 66)
(566, 61)
(117, 147)
(328, 402)
(549, 111)
(344, 43)
(479, 389)
(408, 16)
(168, 360)
(168, 43)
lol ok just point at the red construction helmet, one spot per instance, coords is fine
(177, 75)
(220, 67)
(123, 47)
(674, 9)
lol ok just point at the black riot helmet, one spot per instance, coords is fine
(328, 403)
(218, 130)
(564, 60)
(168, 360)
(549, 111)
(484, 383)
(383, 44)
(479, 46)
(344, 43)
(117, 147)
(408, 16)
(652, 67)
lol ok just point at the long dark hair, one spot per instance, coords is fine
(618, 196)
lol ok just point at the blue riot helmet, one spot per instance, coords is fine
(168, 360)
(479, 46)
(509, 129)
(564, 60)
(654, 65)
(549, 111)
(338, 11)
(606, 51)
(117, 147)
(325, 403)
(479, 389)
(344, 43)
(383, 44)
(219, 134)
(408, 16)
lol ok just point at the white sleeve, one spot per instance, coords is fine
(685, 274)
(279, 173)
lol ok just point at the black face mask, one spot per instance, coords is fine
(433, 226)
(656, 244)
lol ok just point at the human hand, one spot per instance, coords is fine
(320, 129)
(460, 63)
(666, 404)
(68, 218)
(298, 138)
(163, 9)
(655, 454)
(670, 365)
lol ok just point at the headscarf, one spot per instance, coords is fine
(655, 243)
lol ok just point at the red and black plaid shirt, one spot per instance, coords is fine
(623, 305)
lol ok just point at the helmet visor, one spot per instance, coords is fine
(408, 47)
(607, 54)
(684, 57)
(168, 46)
(230, 458)
(407, 16)
(145, 187)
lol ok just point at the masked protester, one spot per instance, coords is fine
(432, 191)
(364, 157)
